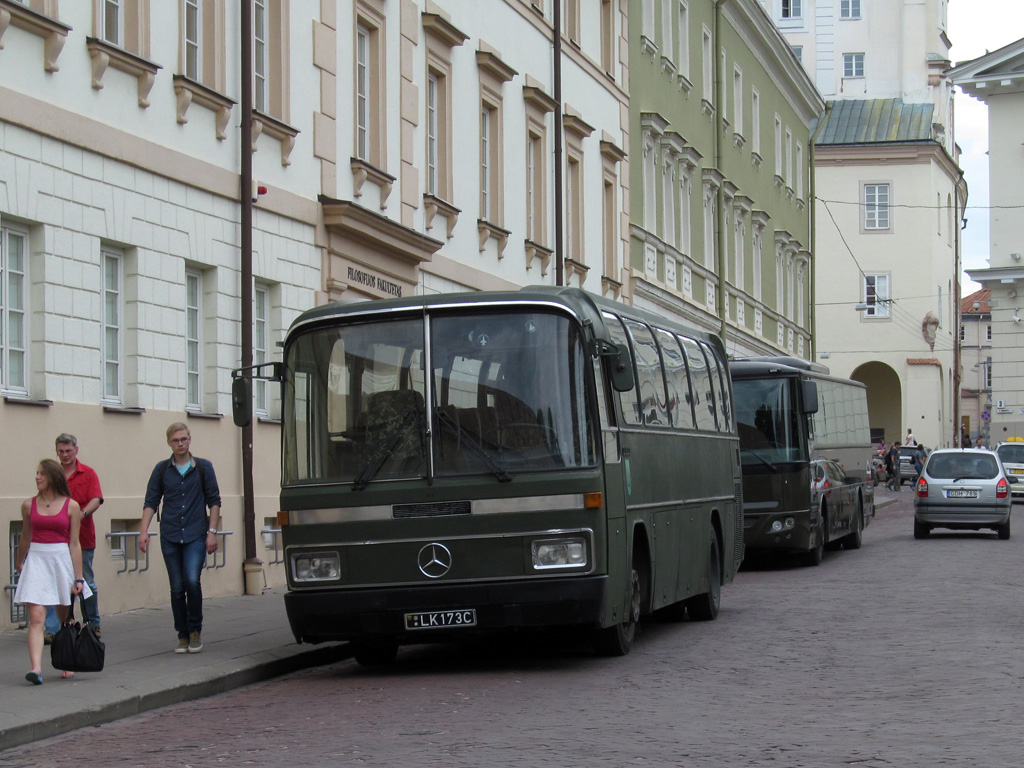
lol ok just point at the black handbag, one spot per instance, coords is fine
(75, 647)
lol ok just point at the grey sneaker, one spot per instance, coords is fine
(195, 642)
(182, 645)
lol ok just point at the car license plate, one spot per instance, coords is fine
(1016, 471)
(961, 493)
(465, 617)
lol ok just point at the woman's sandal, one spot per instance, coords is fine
(67, 675)
(35, 677)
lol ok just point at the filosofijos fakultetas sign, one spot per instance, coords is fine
(376, 282)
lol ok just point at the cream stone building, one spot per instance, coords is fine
(889, 203)
(400, 146)
(997, 79)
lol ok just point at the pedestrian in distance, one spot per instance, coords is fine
(893, 465)
(186, 486)
(911, 440)
(84, 484)
(978, 443)
(919, 458)
(49, 559)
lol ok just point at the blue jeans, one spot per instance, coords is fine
(185, 564)
(92, 613)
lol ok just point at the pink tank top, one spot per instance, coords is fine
(51, 529)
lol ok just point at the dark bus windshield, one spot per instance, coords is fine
(768, 421)
(506, 395)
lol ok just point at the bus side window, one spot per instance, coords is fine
(627, 400)
(700, 378)
(720, 386)
(679, 398)
(650, 379)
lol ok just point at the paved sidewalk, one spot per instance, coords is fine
(245, 639)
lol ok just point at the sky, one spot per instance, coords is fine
(975, 27)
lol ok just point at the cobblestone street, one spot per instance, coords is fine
(904, 653)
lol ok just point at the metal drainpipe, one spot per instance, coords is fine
(251, 563)
(716, 66)
(557, 53)
(957, 319)
(812, 277)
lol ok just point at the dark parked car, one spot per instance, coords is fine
(963, 489)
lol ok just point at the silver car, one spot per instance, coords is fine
(963, 489)
(1011, 453)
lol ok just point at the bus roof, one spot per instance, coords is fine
(582, 304)
(782, 365)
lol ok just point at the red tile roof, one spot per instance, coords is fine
(982, 298)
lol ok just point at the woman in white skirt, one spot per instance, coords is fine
(49, 557)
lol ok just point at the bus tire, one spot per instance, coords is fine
(854, 539)
(374, 654)
(617, 640)
(705, 607)
(813, 557)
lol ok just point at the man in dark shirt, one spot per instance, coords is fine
(187, 485)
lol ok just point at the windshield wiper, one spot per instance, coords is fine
(760, 458)
(496, 469)
(385, 445)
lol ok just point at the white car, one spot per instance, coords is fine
(1011, 454)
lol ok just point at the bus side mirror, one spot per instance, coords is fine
(241, 401)
(810, 396)
(619, 365)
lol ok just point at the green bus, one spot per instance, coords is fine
(464, 463)
(806, 456)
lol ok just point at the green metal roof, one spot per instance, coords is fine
(869, 121)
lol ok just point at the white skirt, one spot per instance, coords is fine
(47, 576)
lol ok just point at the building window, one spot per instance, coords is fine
(988, 333)
(441, 37)
(684, 40)
(113, 314)
(574, 207)
(667, 38)
(572, 21)
(963, 333)
(876, 206)
(799, 171)
(493, 75)
(792, 9)
(112, 22)
(487, 162)
(849, 9)
(193, 340)
(798, 51)
(193, 40)
(535, 187)
(876, 295)
(260, 345)
(434, 104)
(611, 231)
(755, 122)
(707, 65)
(369, 68)
(853, 65)
(14, 310)
(270, 58)
(778, 146)
(259, 53)
(737, 101)
(608, 36)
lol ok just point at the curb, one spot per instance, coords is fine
(268, 664)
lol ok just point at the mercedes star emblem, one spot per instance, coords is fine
(434, 560)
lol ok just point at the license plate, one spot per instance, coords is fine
(465, 617)
(961, 493)
(1016, 471)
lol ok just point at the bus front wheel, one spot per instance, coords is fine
(617, 640)
(814, 556)
(705, 607)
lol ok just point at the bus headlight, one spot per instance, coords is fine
(783, 525)
(316, 566)
(559, 553)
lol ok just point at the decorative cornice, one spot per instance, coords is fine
(346, 218)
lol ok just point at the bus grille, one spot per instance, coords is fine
(436, 509)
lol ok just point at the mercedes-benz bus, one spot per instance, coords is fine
(462, 463)
(806, 455)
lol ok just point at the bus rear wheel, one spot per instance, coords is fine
(618, 640)
(705, 607)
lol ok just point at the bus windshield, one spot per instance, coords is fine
(506, 395)
(768, 421)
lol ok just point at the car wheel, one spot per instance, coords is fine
(1004, 530)
(921, 530)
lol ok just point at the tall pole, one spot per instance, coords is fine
(252, 565)
(559, 254)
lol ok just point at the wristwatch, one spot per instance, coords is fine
(213, 530)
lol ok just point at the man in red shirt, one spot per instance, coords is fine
(84, 484)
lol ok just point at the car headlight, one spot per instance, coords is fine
(316, 566)
(559, 553)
